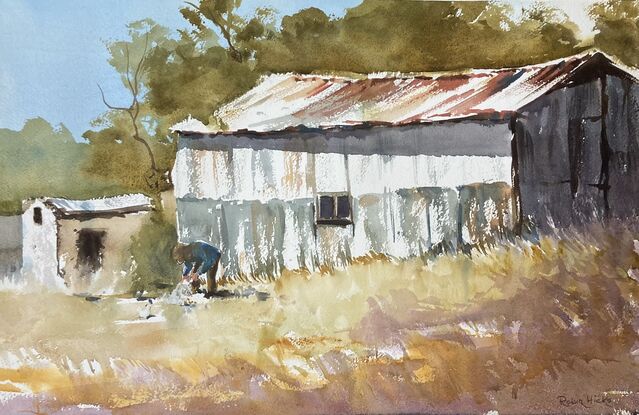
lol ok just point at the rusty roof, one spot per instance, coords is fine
(291, 101)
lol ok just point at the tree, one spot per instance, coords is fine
(617, 29)
(191, 77)
(133, 110)
(113, 157)
(407, 36)
(195, 74)
(239, 33)
(132, 78)
(130, 134)
(169, 78)
(39, 160)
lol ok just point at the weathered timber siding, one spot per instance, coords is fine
(577, 154)
(622, 121)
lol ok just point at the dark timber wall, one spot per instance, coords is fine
(577, 153)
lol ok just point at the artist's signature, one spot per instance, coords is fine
(586, 401)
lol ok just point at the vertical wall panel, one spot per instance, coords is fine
(330, 172)
(242, 174)
(299, 240)
(623, 137)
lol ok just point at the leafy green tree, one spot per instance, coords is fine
(188, 78)
(169, 79)
(200, 71)
(115, 156)
(133, 146)
(239, 33)
(401, 35)
(155, 270)
(41, 160)
(617, 29)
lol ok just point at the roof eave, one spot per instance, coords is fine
(496, 116)
(93, 214)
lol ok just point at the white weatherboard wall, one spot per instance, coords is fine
(258, 205)
(39, 250)
(275, 174)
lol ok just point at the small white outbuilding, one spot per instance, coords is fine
(80, 246)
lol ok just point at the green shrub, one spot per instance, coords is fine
(155, 269)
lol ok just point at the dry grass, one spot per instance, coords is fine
(513, 329)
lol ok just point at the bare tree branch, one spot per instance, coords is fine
(108, 105)
(126, 74)
(136, 137)
(140, 64)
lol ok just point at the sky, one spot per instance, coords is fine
(53, 54)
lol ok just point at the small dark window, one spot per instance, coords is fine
(343, 207)
(326, 207)
(37, 216)
(90, 245)
(334, 209)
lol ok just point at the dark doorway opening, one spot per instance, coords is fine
(90, 245)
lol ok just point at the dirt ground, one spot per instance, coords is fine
(548, 327)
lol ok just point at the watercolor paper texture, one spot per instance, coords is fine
(319, 207)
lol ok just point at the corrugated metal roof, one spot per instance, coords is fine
(286, 101)
(117, 204)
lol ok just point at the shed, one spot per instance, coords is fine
(81, 246)
(305, 171)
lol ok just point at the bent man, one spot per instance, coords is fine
(199, 258)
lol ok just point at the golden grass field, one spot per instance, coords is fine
(518, 327)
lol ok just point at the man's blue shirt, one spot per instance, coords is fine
(204, 256)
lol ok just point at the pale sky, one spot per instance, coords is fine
(577, 10)
(52, 53)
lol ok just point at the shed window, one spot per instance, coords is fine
(326, 208)
(334, 209)
(37, 216)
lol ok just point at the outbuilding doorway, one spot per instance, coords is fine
(90, 246)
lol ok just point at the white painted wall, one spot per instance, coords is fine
(244, 174)
(39, 250)
(254, 197)
(113, 275)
